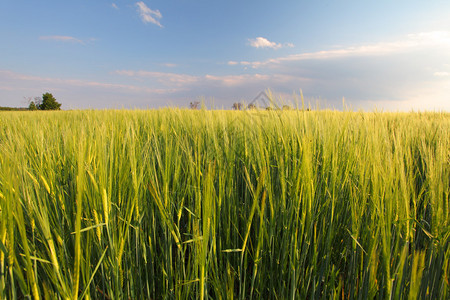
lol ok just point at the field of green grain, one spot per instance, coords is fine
(182, 204)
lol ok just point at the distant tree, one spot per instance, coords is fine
(286, 107)
(32, 106)
(49, 103)
(194, 105)
(251, 106)
(237, 106)
(6, 108)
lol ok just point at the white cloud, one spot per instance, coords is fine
(114, 6)
(62, 38)
(148, 15)
(261, 42)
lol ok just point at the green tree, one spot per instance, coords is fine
(49, 103)
(32, 106)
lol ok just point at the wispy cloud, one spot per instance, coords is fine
(161, 77)
(148, 15)
(82, 93)
(392, 73)
(62, 38)
(236, 80)
(411, 42)
(170, 65)
(63, 83)
(261, 42)
(114, 6)
(186, 82)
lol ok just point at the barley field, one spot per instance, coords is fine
(185, 204)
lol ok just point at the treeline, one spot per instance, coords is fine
(4, 108)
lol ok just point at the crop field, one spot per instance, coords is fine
(198, 204)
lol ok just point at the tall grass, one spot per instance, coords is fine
(224, 205)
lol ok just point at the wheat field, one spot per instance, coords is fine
(184, 204)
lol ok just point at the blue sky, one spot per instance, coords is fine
(385, 55)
